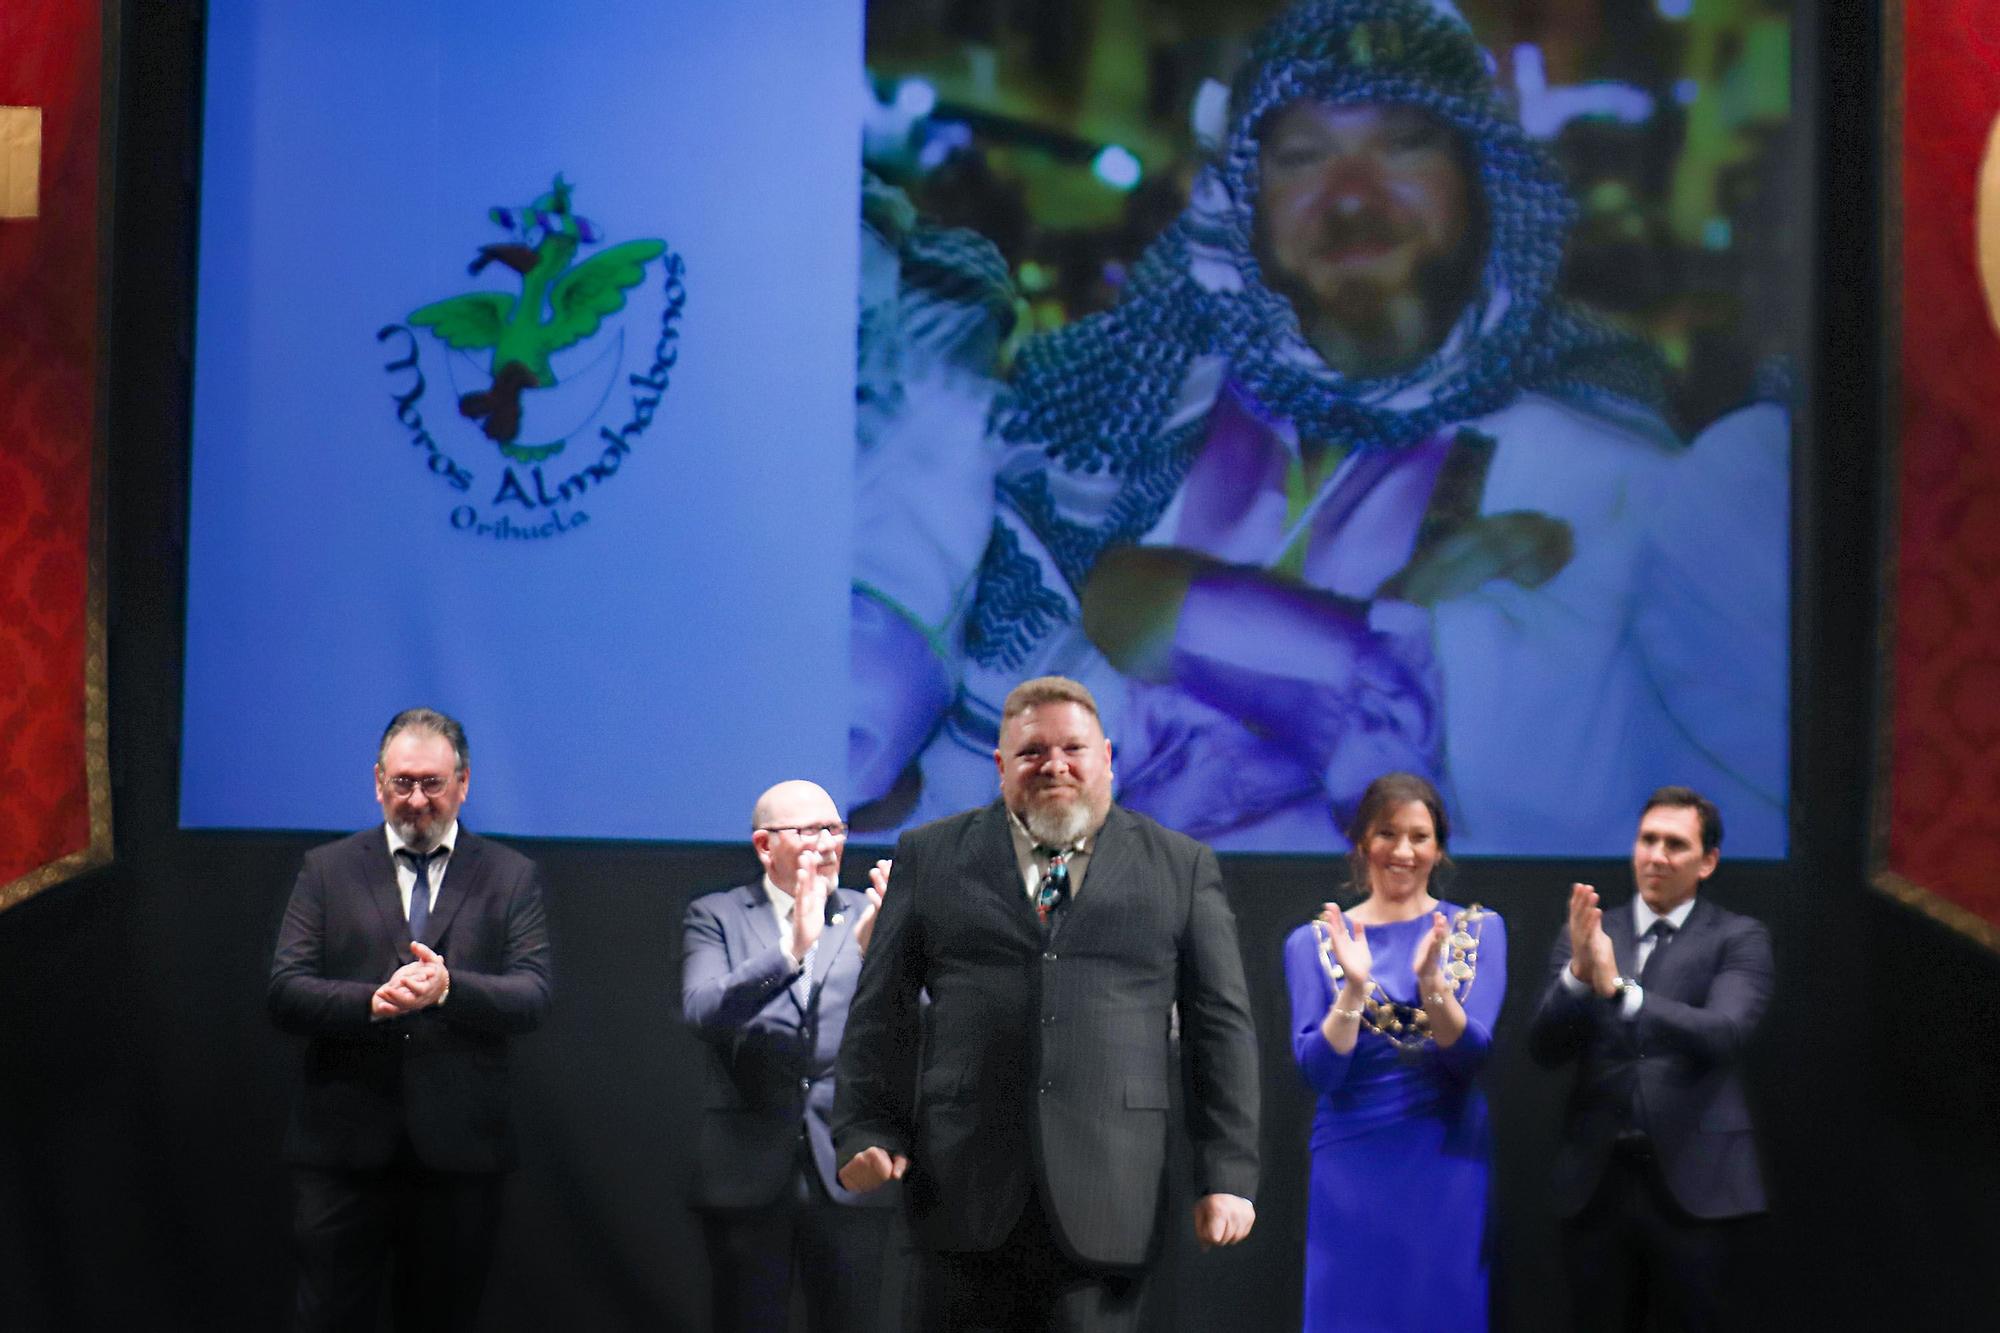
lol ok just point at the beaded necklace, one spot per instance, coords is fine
(1407, 1027)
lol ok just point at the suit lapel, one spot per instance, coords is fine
(1664, 967)
(756, 905)
(839, 930)
(379, 873)
(1623, 928)
(462, 876)
(1109, 875)
(994, 864)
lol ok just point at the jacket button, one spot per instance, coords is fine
(805, 1085)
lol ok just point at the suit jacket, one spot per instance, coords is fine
(438, 1076)
(1045, 1065)
(1671, 1070)
(770, 1057)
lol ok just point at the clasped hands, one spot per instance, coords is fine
(1591, 960)
(415, 985)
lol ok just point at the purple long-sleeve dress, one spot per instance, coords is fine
(1401, 1152)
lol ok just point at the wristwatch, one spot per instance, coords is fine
(1623, 990)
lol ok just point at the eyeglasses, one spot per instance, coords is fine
(430, 786)
(807, 832)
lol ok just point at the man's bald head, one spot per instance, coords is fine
(797, 822)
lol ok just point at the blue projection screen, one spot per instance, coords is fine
(690, 397)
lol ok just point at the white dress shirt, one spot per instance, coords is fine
(406, 874)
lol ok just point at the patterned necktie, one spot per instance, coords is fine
(420, 892)
(1662, 932)
(1055, 883)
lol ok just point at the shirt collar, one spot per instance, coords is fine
(446, 844)
(1643, 916)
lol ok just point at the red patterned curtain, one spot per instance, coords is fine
(55, 805)
(1937, 838)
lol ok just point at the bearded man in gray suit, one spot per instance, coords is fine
(1056, 936)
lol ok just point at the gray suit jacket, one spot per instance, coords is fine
(1672, 1070)
(770, 1057)
(1046, 1065)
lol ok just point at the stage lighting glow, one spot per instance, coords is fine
(915, 97)
(1117, 167)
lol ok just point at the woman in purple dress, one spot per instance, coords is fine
(1393, 1005)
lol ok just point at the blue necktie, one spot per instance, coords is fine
(420, 892)
(1662, 932)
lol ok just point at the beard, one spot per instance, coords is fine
(1063, 823)
(418, 837)
(1367, 325)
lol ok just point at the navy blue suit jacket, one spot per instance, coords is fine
(770, 1056)
(438, 1076)
(1671, 1070)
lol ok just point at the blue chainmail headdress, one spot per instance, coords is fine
(1094, 395)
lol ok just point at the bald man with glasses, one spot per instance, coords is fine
(768, 969)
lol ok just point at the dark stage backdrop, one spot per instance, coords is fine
(142, 1091)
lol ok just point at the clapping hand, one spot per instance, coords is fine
(1357, 962)
(808, 907)
(1427, 959)
(1591, 960)
(878, 886)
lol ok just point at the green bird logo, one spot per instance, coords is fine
(559, 305)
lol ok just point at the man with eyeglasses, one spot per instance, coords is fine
(409, 953)
(767, 971)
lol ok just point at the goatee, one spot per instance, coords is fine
(1060, 825)
(418, 840)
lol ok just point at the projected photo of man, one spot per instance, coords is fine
(1343, 484)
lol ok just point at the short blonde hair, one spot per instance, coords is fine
(1048, 690)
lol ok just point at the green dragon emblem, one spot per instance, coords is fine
(559, 305)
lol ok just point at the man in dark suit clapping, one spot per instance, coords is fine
(409, 953)
(767, 972)
(1654, 1002)
(1055, 934)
